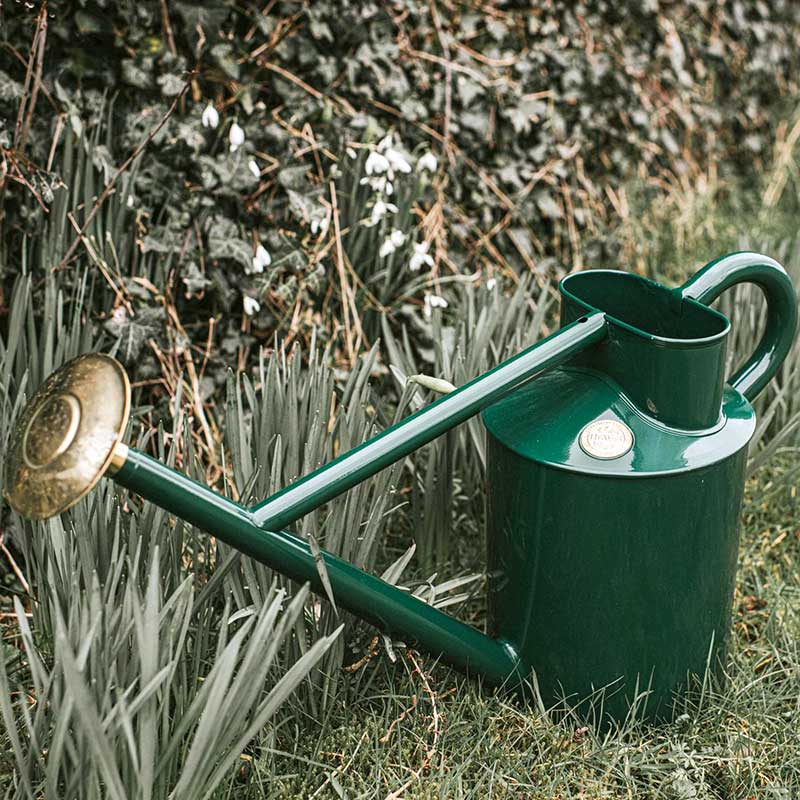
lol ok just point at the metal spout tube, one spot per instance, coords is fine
(388, 608)
(349, 469)
(256, 532)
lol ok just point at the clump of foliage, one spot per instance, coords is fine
(537, 117)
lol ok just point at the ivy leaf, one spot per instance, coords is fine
(233, 248)
(133, 333)
(226, 60)
(134, 75)
(525, 113)
(194, 280)
(171, 85)
(160, 240)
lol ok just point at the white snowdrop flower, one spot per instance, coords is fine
(376, 163)
(260, 260)
(420, 257)
(252, 165)
(378, 183)
(380, 210)
(433, 301)
(398, 161)
(491, 283)
(251, 305)
(427, 163)
(385, 143)
(210, 118)
(319, 225)
(394, 240)
(263, 256)
(236, 137)
(351, 153)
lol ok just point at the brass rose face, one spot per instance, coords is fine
(65, 439)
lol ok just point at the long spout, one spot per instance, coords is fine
(257, 533)
(388, 608)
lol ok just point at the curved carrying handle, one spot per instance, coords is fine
(717, 276)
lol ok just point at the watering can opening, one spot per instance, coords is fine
(665, 350)
(645, 307)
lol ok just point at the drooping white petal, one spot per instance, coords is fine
(251, 305)
(210, 117)
(375, 164)
(252, 165)
(398, 161)
(391, 243)
(256, 267)
(263, 256)
(236, 137)
(433, 301)
(380, 209)
(427, 163)
(420, 257)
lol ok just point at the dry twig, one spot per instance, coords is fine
(125, 165)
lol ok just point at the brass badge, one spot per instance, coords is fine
(606, 439)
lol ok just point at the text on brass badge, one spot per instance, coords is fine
(606, 439)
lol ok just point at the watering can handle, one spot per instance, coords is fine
(717, 276)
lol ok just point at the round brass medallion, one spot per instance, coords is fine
(606, 439)
(65, 438)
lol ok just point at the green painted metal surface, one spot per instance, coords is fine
(257, 533)
(619, 572)
(385, 606)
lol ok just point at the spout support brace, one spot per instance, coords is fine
(413, 432)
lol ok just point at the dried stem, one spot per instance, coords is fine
(125, 166)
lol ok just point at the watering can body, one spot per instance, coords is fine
(614, 486)
(615, 469)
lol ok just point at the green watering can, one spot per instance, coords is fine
(615, 468)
